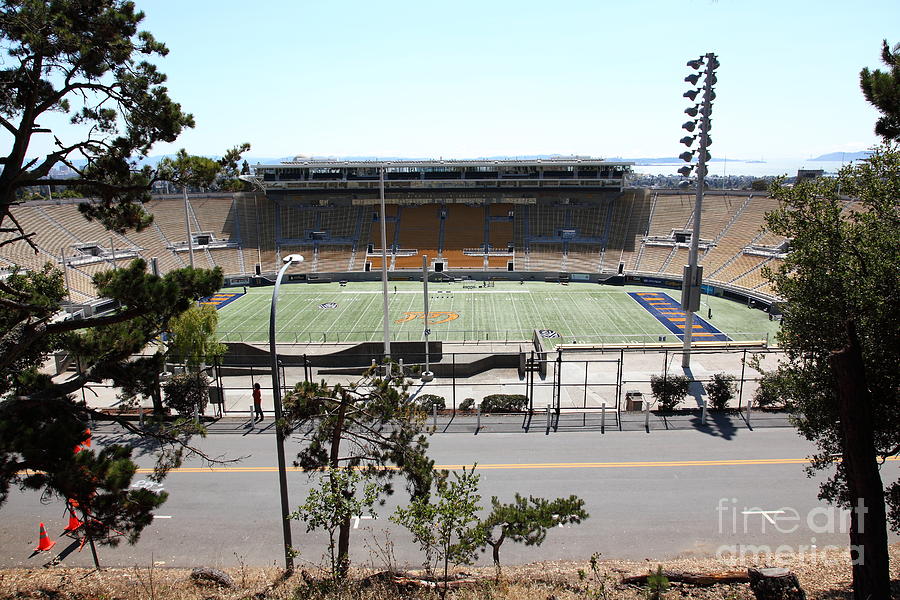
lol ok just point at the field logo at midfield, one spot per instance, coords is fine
(328, 305)
(433, 317)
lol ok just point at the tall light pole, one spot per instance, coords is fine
(384, 278)
(187, 224)
(692, 277)
(427, 375)
(279, 431)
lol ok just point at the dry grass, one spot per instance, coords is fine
(826, 578)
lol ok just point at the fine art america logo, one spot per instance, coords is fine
(745, 522)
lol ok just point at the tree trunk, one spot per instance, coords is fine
(343, 545)
(157, 397)
(868, 524)
(495, 548)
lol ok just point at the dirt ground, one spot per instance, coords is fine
(824, 576)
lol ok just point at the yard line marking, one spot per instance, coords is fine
(455, 291)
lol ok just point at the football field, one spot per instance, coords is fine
(508, 311)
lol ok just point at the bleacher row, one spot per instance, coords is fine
(635, 229)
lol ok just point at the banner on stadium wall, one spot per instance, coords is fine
(655, 281)
(580, 277)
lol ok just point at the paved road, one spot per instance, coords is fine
(649, 495)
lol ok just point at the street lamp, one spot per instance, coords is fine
(279, 431)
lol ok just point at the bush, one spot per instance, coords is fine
(429, 402)
(504, 403)
(184, 392)
(669, 390)
(720, 389)
(769, 392)
(467, 404)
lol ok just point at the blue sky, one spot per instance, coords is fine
(464, 78)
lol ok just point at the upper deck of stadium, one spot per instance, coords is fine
(303, 173)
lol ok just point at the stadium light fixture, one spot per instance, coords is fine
(692, 278)
(288, 260)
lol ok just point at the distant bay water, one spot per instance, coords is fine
(775, 167)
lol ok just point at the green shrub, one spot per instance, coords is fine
(657, 584)
(184, 392)
(770, 391)
(669, 390)
(429, 402)
(720, 389)
(467, 404)
(504, 403)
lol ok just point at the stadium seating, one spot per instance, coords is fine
(333, 259)
(585, 232)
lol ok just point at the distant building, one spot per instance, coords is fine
(429, 177)
(809, 174)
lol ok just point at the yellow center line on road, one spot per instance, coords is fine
(569, 465)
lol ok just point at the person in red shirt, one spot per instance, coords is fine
(257, 403)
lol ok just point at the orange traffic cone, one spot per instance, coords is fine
(44, 543)
(74, 523)
(86, 443)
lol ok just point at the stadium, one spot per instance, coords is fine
(548, 277)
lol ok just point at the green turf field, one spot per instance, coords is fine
(584, 313)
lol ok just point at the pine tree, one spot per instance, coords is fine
(882, 90)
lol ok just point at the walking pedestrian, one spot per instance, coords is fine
(257, 403)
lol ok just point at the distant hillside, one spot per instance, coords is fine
(843, 156)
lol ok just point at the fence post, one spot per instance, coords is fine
(478, 422)
(647, 416)
(703, 412)
(434, 416)
(548, 420)
(749, 406)
(252, 418)
(603, 417)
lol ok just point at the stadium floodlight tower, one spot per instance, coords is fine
(279, 430)
(692, 278)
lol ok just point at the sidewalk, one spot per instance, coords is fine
(724, 425)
